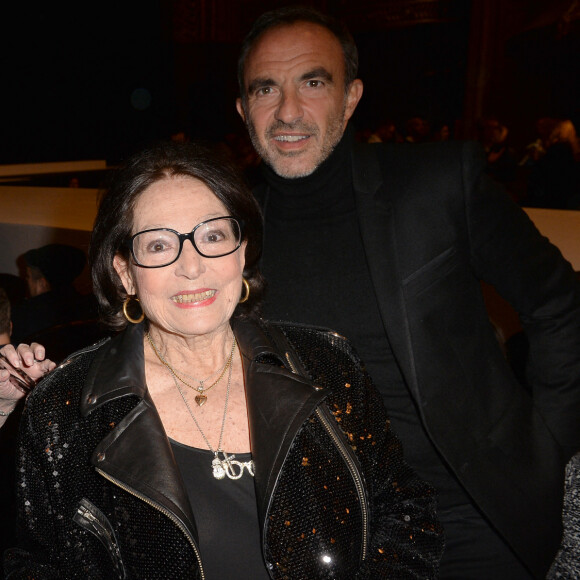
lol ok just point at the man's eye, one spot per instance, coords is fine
(264, 91)
(314, 84)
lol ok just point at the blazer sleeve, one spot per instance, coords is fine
(508, 252)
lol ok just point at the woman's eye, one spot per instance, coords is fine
(157, 246)
(215, 236)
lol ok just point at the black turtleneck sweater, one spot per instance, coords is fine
(317, 273)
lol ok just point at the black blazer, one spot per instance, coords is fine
(434, 225)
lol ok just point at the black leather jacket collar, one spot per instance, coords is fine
(136, 455)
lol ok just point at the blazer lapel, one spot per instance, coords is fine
(378, 231)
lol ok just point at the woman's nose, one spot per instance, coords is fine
(190, 263)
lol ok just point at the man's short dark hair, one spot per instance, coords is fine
(289, 15)
(4, 312)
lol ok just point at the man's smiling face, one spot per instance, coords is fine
(296, 107)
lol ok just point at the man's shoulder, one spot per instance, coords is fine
(420, 153)
(410, 170)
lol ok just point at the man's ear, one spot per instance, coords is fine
(43, 285)
(122, 268)
(353, 96)
(240, 109)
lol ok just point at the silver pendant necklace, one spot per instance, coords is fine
(227, 465)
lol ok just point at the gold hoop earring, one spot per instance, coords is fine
(247, 293)
(126, 314)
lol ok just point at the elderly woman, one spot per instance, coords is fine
(201, 441)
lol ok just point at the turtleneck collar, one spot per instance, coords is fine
(325, 187)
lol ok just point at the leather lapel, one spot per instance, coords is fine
(137, 456)
(137, 453)
(279, 402)
(118, 370)
(378, 231)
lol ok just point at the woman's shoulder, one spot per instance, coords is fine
(300, 332)
(68, 376)
(315, 343)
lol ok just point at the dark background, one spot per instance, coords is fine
(95, 80)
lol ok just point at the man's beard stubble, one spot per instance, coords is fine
(276, 160)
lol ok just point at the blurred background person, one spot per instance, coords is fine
(418, 130)
(5, 320)
(15, 287)
(552, 163)
(53, 299)
(386, 132)
(502, 161)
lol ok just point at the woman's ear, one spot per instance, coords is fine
(122, 268)
(242, 254)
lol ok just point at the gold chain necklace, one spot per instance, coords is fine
(201, 398)
(229, 465)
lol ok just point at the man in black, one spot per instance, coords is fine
(387, 245)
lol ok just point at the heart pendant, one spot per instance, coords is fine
(200, 400)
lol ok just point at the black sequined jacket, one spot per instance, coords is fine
(100, 495)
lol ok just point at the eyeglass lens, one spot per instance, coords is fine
(214, 238)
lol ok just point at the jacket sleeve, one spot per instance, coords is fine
(406, 539)
(508, 252)
(32, 557)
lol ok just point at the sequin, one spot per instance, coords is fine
(314, 526)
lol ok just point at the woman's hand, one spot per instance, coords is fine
(30, 359)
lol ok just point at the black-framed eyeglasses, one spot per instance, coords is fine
(212, 238)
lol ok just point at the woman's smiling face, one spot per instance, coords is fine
(195, 295)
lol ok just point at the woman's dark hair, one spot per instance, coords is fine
(287, 16)
(114, 221)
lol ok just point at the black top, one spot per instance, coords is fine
(226, 516)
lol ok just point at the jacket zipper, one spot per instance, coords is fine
(346, 454)
(90, 518)
(161, 509)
